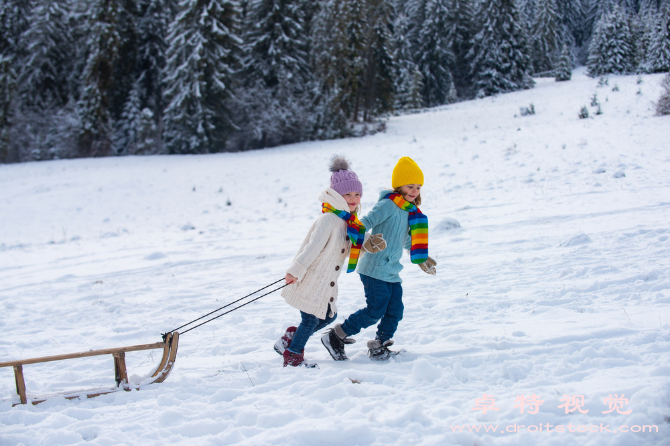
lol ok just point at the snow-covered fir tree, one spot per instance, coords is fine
(646, 28)
(49, 51)
(7, 94)
(564, 66)
(275, 71)
(203, 47)
(102, 48)
(612, 49)
(463, 26)
(377, 95)
(153, 23)
(415, 12)
(436, 58)
(409, 83)
(14, 20)
(545, 37)
(355, 24)
(126, 70)
(327, 52)
(572, 15)
(137, 132)
(658, 52)
(500, 60)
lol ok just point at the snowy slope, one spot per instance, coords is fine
(557, 283)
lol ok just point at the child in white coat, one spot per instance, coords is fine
(312, 277)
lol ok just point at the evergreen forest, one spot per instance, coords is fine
(87, 78)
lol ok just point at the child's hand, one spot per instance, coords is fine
(429, 266)
(290, 279)
(374, 244)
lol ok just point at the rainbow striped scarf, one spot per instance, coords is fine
(355, 231)
(418, 227)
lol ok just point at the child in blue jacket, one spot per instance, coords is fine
(402, 225)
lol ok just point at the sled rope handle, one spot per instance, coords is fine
(225, 306)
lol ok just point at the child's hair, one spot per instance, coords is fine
(417, 200)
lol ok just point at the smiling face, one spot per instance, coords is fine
(353, 199)
(410, 191)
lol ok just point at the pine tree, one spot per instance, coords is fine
(126, 70)
(572, 15)
(355, 32)
(409, 83)
(137, 133)
(153, 24)
(14, 20)
(379, 81)
(7, 88)
(275, 70)
(328, 53)
(499, 56)
(97, 79)
(564, 68)
(658, 55)
(436, 58)
(203, 47)
(462, 23)
(545, 38)
(612, 49)
(48, 46)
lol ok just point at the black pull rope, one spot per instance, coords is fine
(221, 308)
(236, 308)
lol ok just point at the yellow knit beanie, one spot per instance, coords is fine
(406, 172)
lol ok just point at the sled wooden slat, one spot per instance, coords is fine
(105, 351)
(120, 371)
(20, 383)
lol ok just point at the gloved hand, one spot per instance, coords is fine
(429, 266)
(374, 244)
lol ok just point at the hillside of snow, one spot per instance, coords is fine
(552, 236)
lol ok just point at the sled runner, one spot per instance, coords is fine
(169, 346)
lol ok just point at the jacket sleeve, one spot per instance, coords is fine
(317, 241)
(380, 212)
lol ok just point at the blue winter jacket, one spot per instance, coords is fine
(392, 222)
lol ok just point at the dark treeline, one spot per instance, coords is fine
(81, 78)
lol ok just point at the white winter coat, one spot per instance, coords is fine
(320, 260)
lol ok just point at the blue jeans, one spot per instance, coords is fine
(307, 327)
(384, 301)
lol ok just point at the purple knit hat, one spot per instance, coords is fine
(343, 180)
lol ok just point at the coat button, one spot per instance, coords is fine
(343, 251)
(332, 283)
(347, 238)
(332, 299)
(337, 268)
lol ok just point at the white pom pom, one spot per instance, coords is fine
(338, 162)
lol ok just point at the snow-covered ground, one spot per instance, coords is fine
(556, 284)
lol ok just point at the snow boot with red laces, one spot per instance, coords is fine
(285, 341)
(297, 360)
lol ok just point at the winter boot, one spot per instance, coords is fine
(334, 341)
(379, 351)
(297, 360)
(285, 341)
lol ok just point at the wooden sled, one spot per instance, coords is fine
(169, 346)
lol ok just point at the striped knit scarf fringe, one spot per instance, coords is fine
(418, 227)
(355, 231)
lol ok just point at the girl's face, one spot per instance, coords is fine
(410, 191)
(353, 199)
